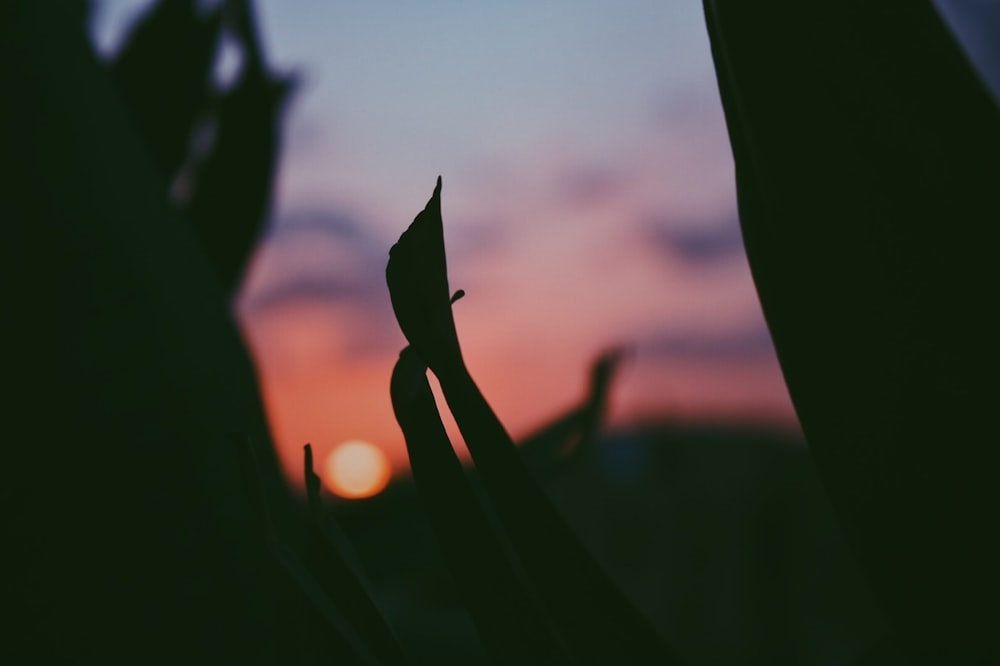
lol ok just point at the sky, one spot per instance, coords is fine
(588, 203)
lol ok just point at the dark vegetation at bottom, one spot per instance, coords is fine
(722, 536)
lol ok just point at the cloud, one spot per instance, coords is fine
(473, 239)
(749, 343)
(334, 223)
(325, 259)
(587, 186)
(305, 288)
(695, 242)
(690, 105)
(314, 245)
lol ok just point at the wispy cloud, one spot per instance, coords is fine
(749, 343)
(583, 186)
(325, 259)
(330, 255)
(697, 242)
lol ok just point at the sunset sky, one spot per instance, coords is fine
(588, 202)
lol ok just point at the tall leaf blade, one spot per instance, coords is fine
(334, 573)
(503, 609)
(596, 621)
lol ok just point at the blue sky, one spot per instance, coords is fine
(395, 93)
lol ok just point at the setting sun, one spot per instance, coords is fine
(356, 469)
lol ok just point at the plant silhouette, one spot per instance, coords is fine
(154, 524)
(328, 557)
(163, 74)
(867, 161)
(504, 609)
(551, 447)
(128, 533)
(232, 186)
(589, 614)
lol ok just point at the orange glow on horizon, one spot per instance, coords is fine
(315, 389)
(356, 469)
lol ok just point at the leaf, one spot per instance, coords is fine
(503, 608)
(331, 568)
(162, 74)
(569, 435)
(233, 184)
(591, 613)
(418, 287)
(597, 622)
(867, 193)
(338, 640)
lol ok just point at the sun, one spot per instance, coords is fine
(356, 469)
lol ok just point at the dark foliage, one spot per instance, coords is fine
(128, 535)
(590, 615)
(162, 74)
(503, 607)
(232, 186)
(164, 77)
(547, 450)
(867, 161)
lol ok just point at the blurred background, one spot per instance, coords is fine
(588, 203)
